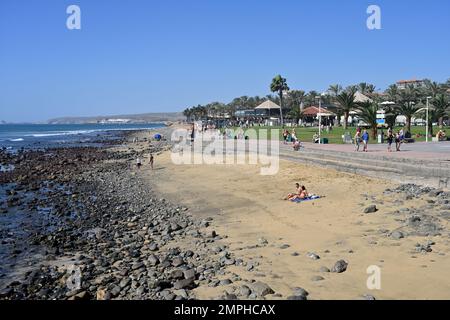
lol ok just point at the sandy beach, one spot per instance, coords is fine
(274, 237)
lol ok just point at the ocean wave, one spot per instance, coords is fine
(79, 132)
(55, 134)
(15, 140)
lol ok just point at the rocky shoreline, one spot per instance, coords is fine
(79, 223)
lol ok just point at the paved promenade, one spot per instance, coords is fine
(418, 150)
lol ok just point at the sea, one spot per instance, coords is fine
(14, 137)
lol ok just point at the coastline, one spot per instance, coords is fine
(96, 231)
(206, 232)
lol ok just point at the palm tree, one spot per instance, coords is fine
(366, 88)
(391, 111)
(295, 98)
(407, 104)
(392, 92)
(310, 98)
(447, 85)
(352, 88)
(433, 88)
(188, 113)
(296, 114)
(442, 107)
(279, 85)
(346, 103)
(368, 113)
(335, 89)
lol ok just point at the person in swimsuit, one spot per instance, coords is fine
(303, 193)
(292, 196)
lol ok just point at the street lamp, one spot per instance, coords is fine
(428, 104)
(320, 117)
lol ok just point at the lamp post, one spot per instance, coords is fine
(428, 104)
(320, 117)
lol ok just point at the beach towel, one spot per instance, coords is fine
(313, 197)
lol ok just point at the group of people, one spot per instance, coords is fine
(361, 137)
(300, 193)
(291, 137)
(398, 137)
(139, 161)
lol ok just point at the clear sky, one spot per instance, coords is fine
(151, 56)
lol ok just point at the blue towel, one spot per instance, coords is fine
(306, 199)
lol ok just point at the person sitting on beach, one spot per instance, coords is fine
(302, 194)
(291, 196)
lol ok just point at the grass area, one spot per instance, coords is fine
(305, 134)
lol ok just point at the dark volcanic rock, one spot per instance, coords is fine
(340, 266)
(261, 289)
(371, 209)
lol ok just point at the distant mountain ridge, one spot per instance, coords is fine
(130, 118)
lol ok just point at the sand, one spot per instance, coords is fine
(247, 206)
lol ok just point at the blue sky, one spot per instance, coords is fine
(152, 56)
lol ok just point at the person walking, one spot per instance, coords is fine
(193, 134)
(398, 141)
(390, 139)
(138, 162)
(357, 139)
(365, 139)
(151, 160)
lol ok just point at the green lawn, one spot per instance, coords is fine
(305, 134)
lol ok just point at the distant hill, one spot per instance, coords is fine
(126, 118)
